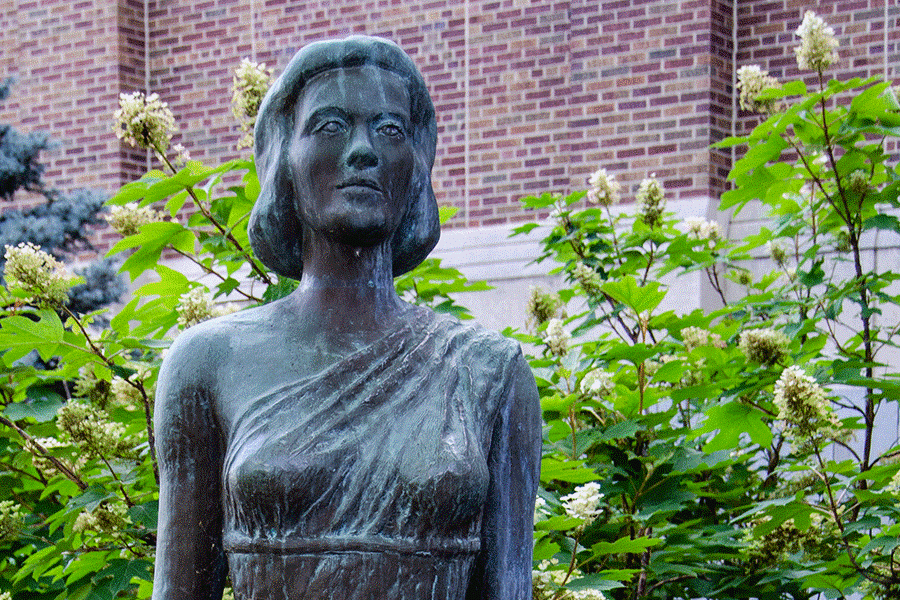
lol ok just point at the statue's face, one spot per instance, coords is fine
(351, 158)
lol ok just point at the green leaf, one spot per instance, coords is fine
(759, 155)
(41, 405)
(732, 419)
(118, 576)
(638, 298)
(625, 546)
(569, 471)
(89, 499)
(19, 335)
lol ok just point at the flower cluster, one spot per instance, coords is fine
(144, 121)
(197, 306)
(604, 189)
(802, 405)
(182, 156)
(39, 459)
(92, 431)
(598, 384)
(584, 503)
(128, 219)
(12, 520)
(37, 274)
(694, 337)
(540, 509)
(89, 386)
(859, 182)
(753, 81)
(557, 338)
(651, 201)
(106, 518)
(699, 228)
(587, 277)
(775, 546)
(542, 306)
(778, 252)
(817, 49)
(251, 82)
(194, 307)
(765, 346)
(126, 394)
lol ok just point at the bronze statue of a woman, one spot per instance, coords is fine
(340, 443)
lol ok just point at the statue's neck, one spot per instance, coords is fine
(346, 288)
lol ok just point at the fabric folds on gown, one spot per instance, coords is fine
(369, 479)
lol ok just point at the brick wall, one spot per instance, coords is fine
(531, 95)
(868, 36)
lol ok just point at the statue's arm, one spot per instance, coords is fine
(503, 568)
(190, 563)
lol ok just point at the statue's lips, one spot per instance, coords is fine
(366, 183)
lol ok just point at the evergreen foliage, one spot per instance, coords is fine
(60, 224)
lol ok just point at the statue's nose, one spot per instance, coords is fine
(360, 153)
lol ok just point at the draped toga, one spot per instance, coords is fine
(374, 478)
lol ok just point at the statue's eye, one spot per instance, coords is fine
(331, 126)
(391, 130)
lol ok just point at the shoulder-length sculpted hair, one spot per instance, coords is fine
(275, 228)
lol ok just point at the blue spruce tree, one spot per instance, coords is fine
(58, 225)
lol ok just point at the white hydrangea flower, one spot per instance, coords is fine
(651, 201)
(36, 273)
(598, 384)
(251, 82)
(585, 594)
(587, 277)
(766, 346)
(802, 405)
(699, 228)
(694, 337)
(106, 518)
(5, 596)
(144, 121)
(129, 218)
(893, 485)
(194, 307)
(584, 503)
(540, 509)
(124, 393)
(39, 459)
(556, 337)
(777, 251)
(542, 306)
(92, 431)
(753, 81)
(817, 49)
(604, 189)
(12, 520)
(182, 156)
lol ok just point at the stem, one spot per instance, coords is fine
(712, 274)
(62, 468)
(116, 477)
(202, 208)
(215, 273)
(832, 506)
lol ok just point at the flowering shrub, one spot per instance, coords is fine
(79, 475)
(727, 454)
(731, 453)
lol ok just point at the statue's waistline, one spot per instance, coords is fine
(242, 544)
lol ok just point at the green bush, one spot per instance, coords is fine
(717, 454)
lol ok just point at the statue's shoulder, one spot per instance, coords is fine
(198, 352)
(487, 347)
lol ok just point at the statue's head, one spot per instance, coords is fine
(375, 69)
